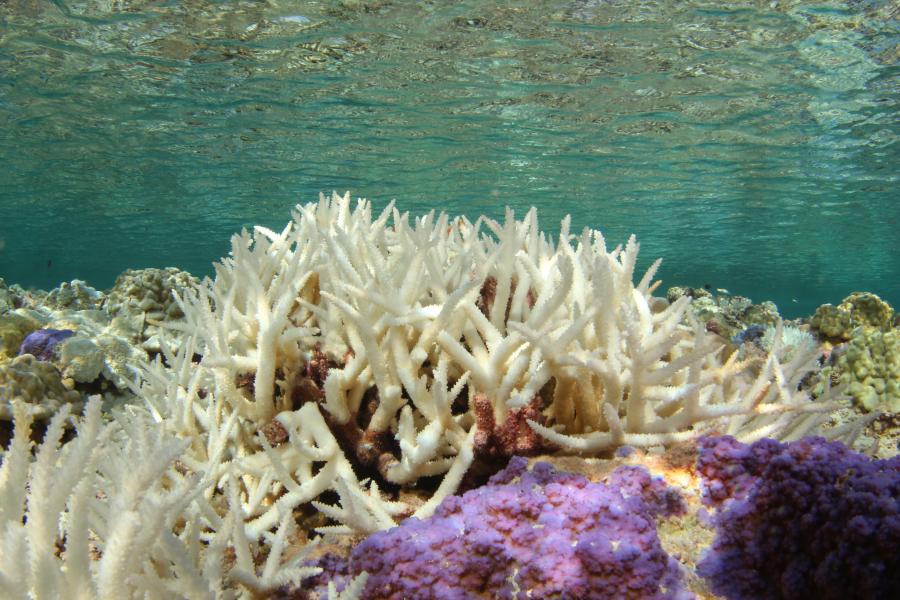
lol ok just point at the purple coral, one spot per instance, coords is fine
(808, 519)
(531, 534)
(42, 343)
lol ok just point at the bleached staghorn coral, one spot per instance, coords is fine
(410, 348)
(109, 515)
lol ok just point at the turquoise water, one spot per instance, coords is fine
(753, 147)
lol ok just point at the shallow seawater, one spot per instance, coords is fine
(753, 146)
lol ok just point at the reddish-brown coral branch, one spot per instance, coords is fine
(512, 437)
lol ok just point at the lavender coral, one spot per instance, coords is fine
(531, 534)
(808, 519)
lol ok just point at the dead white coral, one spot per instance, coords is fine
(395, 326)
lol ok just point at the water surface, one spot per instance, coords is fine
(752, 146)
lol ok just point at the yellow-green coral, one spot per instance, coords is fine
(871, 368)
(13, 329)
(859, 309)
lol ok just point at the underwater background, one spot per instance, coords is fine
(753, 145)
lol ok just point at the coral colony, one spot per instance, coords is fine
(554, 534)
(369, 369)
(831, 516)
(42, 343)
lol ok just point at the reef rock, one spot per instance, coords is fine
(36, 383)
